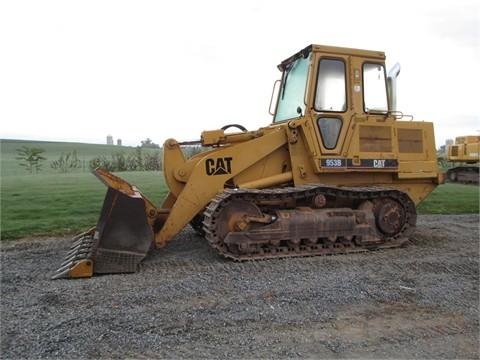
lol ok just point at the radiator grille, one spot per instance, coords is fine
(375, 139)
(410, 140)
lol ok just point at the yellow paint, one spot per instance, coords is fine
(82, 269)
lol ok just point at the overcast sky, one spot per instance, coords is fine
(80, 70)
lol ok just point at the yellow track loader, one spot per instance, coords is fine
(466, 153)
(338, 170)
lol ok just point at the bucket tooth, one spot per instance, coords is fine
(81, 242)
(82, 236)
(60, 274)
(78, 262)
(79, 248)
(80, 269)
(65, 267)
(75, 258)
(77, 254)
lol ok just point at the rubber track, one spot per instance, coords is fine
(299, 194)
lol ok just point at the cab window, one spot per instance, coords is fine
(292, 90)
(374, 88)
(330, 93)
(329, 131)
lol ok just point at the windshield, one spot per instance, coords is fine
(292, 90)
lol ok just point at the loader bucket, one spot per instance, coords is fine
(120, 240)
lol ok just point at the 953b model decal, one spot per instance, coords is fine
(334, 163)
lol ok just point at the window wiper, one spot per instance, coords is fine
(287, 72)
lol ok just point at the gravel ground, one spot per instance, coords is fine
(420, 301)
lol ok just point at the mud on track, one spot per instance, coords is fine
(420, 301)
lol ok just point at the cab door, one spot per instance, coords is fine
(331, 107)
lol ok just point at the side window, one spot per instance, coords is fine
(374, 88)
(329, 131)
(331, 88)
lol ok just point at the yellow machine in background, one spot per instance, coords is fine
(466, 150)
(337, 171)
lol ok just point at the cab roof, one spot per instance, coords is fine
(333, 50)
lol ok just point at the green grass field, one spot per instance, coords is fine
(59, 204)
(451, 199)
(50, 204)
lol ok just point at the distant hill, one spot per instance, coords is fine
(53, 150)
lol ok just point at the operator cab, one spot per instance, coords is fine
(332, 85)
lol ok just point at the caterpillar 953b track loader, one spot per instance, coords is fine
(337, 171)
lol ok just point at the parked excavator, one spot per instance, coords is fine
(465, 152)
(338, 170)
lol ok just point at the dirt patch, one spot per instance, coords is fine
(419, 301)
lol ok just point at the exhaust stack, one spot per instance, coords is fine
(392, 86)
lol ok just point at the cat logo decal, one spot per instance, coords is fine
(218, 166)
